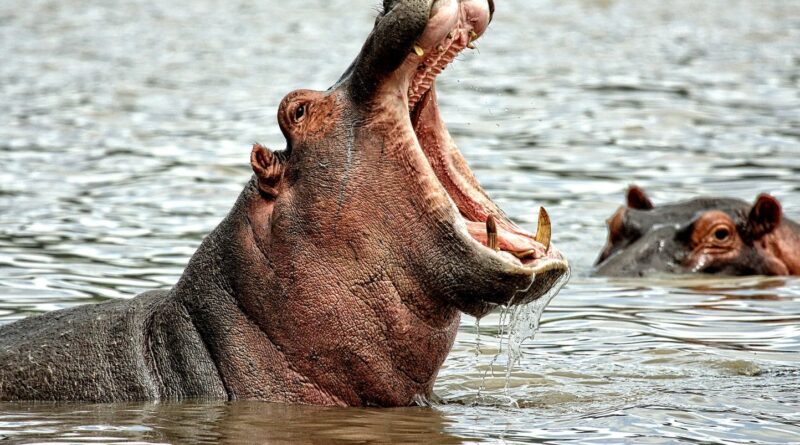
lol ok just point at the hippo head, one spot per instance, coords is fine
(721, 236)
(371, 187)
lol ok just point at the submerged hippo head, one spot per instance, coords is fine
(372, 187)
(704, 235)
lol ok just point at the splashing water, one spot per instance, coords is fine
(523, 323)
(517, 324)
(477, 337)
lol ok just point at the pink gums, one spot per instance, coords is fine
(452, 29)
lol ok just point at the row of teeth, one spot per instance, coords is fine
(436, 63)
(543, 234)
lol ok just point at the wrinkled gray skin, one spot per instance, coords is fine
(337, 278)
(655, 240)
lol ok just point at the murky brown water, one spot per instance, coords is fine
(124, 135)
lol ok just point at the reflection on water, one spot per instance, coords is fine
(125, 138)
(240, 422)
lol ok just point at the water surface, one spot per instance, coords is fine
(125, 136)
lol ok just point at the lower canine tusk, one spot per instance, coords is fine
(491, 233)
(473, 36)
(543, 232)
(419, 50)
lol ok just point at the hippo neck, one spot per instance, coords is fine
(249, 364)
(366, 342)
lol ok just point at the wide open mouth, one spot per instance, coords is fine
(453, 27)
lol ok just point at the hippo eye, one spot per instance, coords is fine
(299, 112)
(722, 234)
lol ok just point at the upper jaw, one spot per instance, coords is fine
(497, 276)
(453, 26)
(403, 27)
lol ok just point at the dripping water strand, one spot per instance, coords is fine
(523, 323)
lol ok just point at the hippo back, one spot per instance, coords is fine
(112, 351)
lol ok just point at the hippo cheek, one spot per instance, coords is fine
(744, 261)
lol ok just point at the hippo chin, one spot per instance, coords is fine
(721, 236)
(339, 275)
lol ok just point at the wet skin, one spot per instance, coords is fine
(339, 276)
(720, 236)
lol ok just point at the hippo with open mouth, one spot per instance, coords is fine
(720, 236)
(339, 275)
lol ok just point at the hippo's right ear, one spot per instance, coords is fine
(268, 168)
(765, 216)
(637, 199)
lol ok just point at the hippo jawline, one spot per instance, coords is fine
(480, 219)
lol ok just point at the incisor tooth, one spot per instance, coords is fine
(543, 231)
(491, 233)
(473, 36)
(419, 50)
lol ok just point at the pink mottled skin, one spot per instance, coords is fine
(340, 274)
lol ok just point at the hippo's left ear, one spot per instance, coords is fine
(637, 199)
(268, 167)
(765, 216)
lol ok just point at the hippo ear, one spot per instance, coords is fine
(268, 168)
(637, 199)
(765, 216)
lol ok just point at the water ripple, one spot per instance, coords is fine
(125, 140)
